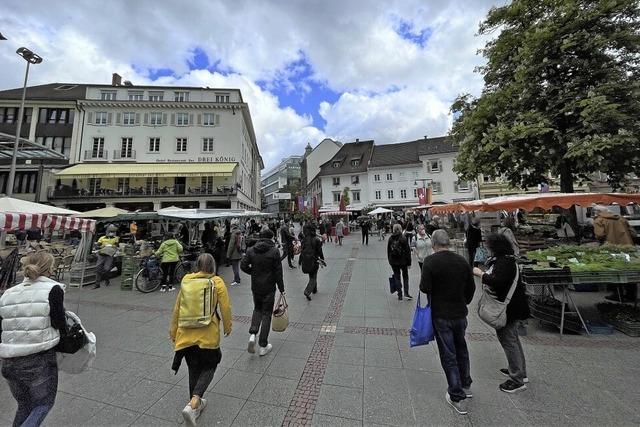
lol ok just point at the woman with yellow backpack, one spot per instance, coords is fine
(195, 330)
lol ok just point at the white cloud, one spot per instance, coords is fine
(352, 48)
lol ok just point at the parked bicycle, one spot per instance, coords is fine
(149, 277)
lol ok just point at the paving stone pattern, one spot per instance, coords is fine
(345, 360)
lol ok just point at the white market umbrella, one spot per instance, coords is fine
(377, 211)
(9, 204)
(108, 212)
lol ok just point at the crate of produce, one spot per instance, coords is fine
(129, 268)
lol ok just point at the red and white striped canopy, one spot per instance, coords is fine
(23, 221)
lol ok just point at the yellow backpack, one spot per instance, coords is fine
(197, 303)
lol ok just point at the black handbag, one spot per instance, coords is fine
(73, 339)
(394, 286)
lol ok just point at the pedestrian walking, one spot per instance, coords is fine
(169, 254)
(365, 226)
(399, 257)
(108, 246)
(310, 259)
(507, 229)
(473, 239)
(340, 231)
(198, 341)
(287, 243)
(501, 273)
(448, 282)
(262, 262)
(409, 232)
(422, 245)
(32, 317)
(234, 251)
(381, 230)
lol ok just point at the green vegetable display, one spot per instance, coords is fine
(590, 258)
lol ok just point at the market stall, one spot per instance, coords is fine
(13, 221)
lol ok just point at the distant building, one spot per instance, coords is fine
(283, 178)
(311, 163)
(146, 147)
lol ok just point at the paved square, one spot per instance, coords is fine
(344, 360)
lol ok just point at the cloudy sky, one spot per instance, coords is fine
(384, 70)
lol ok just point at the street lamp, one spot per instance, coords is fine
(31, 58)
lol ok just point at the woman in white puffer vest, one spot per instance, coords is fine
(31, 318)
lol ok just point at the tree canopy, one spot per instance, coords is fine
(561, 94)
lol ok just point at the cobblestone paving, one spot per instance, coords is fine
(344, 360)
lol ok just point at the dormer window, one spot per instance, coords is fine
(355, 162)
(336, 164)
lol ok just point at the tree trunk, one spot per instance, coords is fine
(566, 186)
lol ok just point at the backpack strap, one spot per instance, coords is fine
(214, 295)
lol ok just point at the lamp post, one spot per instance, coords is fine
(31, 58)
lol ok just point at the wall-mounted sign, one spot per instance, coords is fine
(281, 196)
(219, 159)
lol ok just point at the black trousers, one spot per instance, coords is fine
(312, 285)
(405, 277)
(261, 318)
(287, 252)
(202, 364)
(168, 271)
(365, 237)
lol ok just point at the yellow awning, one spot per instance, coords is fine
(144, 170)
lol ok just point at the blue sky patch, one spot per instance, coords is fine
(407, 31)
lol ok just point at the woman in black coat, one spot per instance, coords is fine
(499, 278)
(310, 257)
(399, 257)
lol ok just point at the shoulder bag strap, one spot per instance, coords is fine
(513, 286)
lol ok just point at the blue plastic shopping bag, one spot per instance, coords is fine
(422, 327)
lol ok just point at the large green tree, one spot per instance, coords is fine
(561, 94)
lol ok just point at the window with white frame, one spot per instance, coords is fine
(156, 96)
(154, 145)
(136, 95)
(123, 185)
(126, 148)
(101, 118)
(336, 197)
(336, 164)
(207, 183)
(376, 177)
(435, 165)
(355, 179)
(436, 187)
(97, 151)
(156, 119)
(128, 118)
(378, 194)
(207, 145)
(415, 193)
(389, 177)
(108, 95)
(181, 145)
(152, 185)
(402, 176)
(403, 194)
(336, 180)
(181, 96)
(389, 194)
(182, 119)
(462, 186)
(208, 119)
(356, 196)
(222, 97)
(355, 162)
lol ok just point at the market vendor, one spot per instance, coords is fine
(107, 249)
(611, 228)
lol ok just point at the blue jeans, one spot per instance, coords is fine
(454, 355)
(235, 265)
(33, 381)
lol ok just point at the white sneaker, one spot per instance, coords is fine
(234, 283)
(265, 350)
(163, 289)
(252, 344)
(171, 289)
(203, 404)
(189, 415)
(460, 407)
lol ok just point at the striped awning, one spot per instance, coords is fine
(23, 221)
(147, 170)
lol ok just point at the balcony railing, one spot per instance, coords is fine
(124, 155)
(179, 190)
(96, 155)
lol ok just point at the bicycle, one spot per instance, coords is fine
(149, 277)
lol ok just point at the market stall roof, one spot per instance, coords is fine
(529, 202)
(205, 214)
(24, 221)
(108, 212)
(335, 213)
(377, 211)
(145, 170)
(9, 204)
